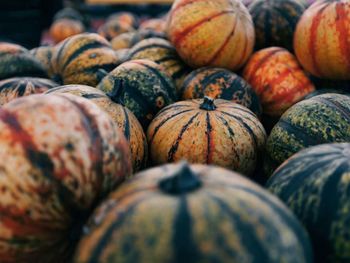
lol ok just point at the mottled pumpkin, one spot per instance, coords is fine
(185, 214)
(314, 184)
(319, 120)
(156, 24)
(60, 155)
(13, 88)
(16, 61)
(64, 28)
(321, 40)
(277, 78)
(205, 131)
(275, 22)
(44, 55)
(220, 83)
(162, 52)
(122, 117)
(212, 32)
(78, 59)
(142, 86)
(113, 28)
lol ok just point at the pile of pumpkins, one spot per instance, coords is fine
(219, 132)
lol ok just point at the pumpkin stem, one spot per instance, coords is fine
(117, 92)
(208, 104)
(184, 181)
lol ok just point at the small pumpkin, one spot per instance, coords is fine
(155, 24)
(114, 28)
(205, 131)
(126, 18)
(44, 55)
(125, 40)
(64, 28)
(180, 213)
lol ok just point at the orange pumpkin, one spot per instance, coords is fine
(212, 32)
(322, 39)
(64, 28)
(114, 28)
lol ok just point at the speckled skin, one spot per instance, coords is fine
(220, 83)
(143, 86)
(44, 55)
(321, 119)
(212, 32)
(113, 28)
(162, 52)
(321, 40)
(275, 22)
(315, 184)
(78, 59)
(60, 154)
(227, 219)
(64, 28)
(122, 117)
(13, 88)
(16, 61)
(277, 78)
(230, 136)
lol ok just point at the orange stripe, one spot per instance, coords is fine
(183, 4)
(282, 76)
(343, 33)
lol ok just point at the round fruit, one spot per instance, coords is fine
(114, 28)
(122, 117)
(125, 40)
(212, 32)
(64, 28)
(220, 83)
(44, 55)
(60, 156)
(314, 183)
(319, 120)
(277, 78)
(198, 213)
(209, 132)
(125, 17)
(321, 40)
(142, 86)
(156, 24)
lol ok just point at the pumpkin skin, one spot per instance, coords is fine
(156, 24)
(78, 59)
(125, 40)
(318, 120)
(113, 28)
(220, 83)
(162, 52)
(44, 55)
(122, 117)
(277, 78)
(13, 88)
(212, 215)
(69, 155)
(275, 22)
(64, 28)
(192, 25)
(203, 131)
(314, 185)
(16, 61)
(325, 56)
(142, 86)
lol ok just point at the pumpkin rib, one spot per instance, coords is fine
(340, 23)
(334, 105)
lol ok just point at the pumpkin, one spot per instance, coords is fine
(122, 117)
(78, 59)
(180, 213)
(126, 18)
(148, 33)
(192, 26)
(156, 24)
(275, 22)
(220, 83)
(16, 61)
(142, 86)
(319, 120)
(205, 131)
(314, 184)
(64, 28)
(277, 78)
(125, 40)
(44, 55)
(13, 88)
(162, 52)
(324, 91)
(113, 28)
(321, 39)
(60, 155)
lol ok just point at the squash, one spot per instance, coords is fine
(125, 40)
(126, 18)
(64, 28)
(44, 55)
(155, 24)
(114, 28)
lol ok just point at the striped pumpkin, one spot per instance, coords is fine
(142, 86)
(192, 26)
(319, 120)
(198, 213)
(220, 83)
(275, 22)
(16, 61)
(44, 55)
(162, 52)
(277, 78)
(326, 55)
(78, 59)
(64, 28)
(60, 155)
(203, 131)
(114, 28)
(314, 184)
(122, 117)
(13, 88)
